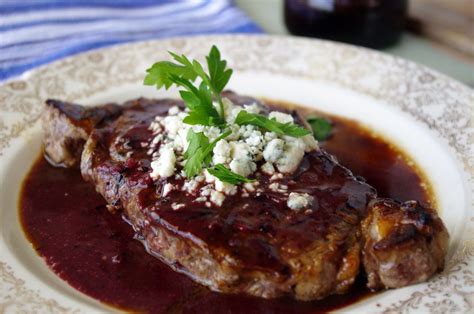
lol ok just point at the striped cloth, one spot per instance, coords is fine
(34, 32)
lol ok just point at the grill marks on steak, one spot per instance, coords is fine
(254, 244)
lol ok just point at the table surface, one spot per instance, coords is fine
(269, 15)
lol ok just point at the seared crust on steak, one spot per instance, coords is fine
(253, 245)
(67, 126)
(404, 243)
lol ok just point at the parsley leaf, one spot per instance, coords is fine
(193, 165)
(159, 74)
(225, 175)
(199, 151)
(196, 141)
(272, 125)
(321, 128)
(219, 75)
(182, 73)
(199, 102)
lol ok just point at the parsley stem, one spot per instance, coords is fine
(219, 100)
(221, 106)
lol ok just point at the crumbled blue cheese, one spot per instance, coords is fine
(244, 167)
(254, 138)
(277, 187)
(253, 108)
(276, 176)
(310, 143)
(164, 166)
(225, 187)
(173, 111)
(206, 190)
(201, 199)
(251, 186)
(217, 198)
(176, 206)
(242, 162)
(298, 201)
(273, 150)
(292, 154)
(190, 186)
(168, 188)
(281, 117)
(222, 152)
(172, 124)
(241, 151)
(209, 178)
(231, 110)
(268, 168)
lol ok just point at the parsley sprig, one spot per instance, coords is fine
(183, 73)
(322, 128)
(226, 175)
(272, 125)
(199, 151)
(199, 98)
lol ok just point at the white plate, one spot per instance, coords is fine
(424, 112)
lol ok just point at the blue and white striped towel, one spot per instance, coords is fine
(34, 32)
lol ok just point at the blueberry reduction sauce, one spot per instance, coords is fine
(96, 253)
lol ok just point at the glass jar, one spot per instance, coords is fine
(370, 23)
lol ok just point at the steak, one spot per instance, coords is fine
(253, 243)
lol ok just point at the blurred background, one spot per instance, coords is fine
(436, 33)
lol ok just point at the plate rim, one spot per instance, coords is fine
(19, 85)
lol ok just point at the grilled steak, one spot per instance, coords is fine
(403, 243)
(64, 138)
(253, 243)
